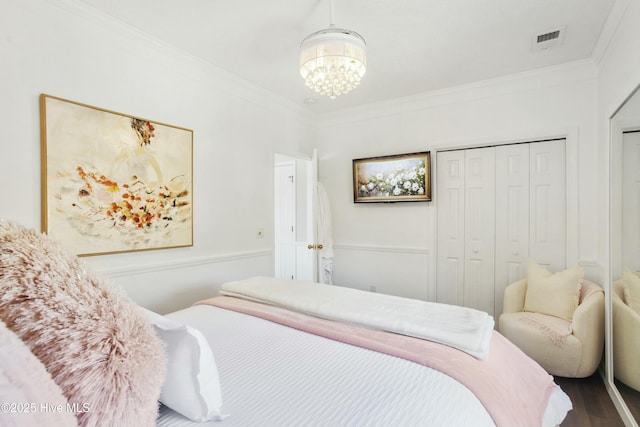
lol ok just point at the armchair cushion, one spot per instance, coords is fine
(553, 294)
(546, 339)
(626, 347)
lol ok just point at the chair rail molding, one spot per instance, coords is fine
(184, 263)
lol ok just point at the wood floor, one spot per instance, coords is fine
(592, 406)
(631, 397)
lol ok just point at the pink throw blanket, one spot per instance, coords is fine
(513, 388)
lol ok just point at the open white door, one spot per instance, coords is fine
(301, 254)
(307, 253)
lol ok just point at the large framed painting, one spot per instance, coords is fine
(114, 183)
(396, 178)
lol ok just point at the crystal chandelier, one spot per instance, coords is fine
(333, 61)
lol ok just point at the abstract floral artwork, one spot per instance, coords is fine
(397, 178)
(114, 183)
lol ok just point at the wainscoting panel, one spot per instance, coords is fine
(401, 271)
(174, 285)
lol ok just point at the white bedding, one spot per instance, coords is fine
(277, 376)
(463, 328)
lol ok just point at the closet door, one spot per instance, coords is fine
(479, 276)
(498, 208)
(631, 201)
(547, 200)
(512, 217)
(451, 219)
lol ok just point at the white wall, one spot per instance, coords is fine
(392, 246)
(66, 49)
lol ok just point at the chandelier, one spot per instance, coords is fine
(333, 61)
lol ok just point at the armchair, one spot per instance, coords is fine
(626, 345)
(566, 348)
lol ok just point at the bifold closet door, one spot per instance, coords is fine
(631, 201)
(548, 204)
(450, 196)
(480, 226)
(512, 217)
(498, 208)
(466, 227)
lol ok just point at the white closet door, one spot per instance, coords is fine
(451, 241)
(631, 201)
(498, 208)
(512, 217)
(548, 228)
(479, 275)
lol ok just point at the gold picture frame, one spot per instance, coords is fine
(114, 183)
(395, 178)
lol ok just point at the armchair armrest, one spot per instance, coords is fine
(626, 348)
(514, 296)
(588, 328)
(626, 323)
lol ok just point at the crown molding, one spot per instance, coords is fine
(609, 29)
(563, 74)
(211, 74)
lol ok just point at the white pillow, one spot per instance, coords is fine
(553, 294)
(192, 384)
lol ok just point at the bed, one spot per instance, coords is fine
(75, 350)
(288, 362)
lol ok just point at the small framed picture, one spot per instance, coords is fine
(395, 178)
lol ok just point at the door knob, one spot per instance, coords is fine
(311, 246)
(320, 246)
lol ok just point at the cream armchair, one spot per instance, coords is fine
(562, 347)
(626, 345)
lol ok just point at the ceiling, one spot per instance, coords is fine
(413, 46)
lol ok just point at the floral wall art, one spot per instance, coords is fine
(396, 178)
(114, 183)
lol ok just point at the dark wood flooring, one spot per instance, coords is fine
(592, 406)
(631, 397)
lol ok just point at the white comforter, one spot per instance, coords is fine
(463, 328)
(274, 376)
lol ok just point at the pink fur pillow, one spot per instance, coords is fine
(94, 341)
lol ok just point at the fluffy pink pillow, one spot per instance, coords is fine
(94, 341)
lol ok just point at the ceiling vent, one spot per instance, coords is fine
(548, 39)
